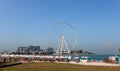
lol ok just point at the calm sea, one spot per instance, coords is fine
(95, 57)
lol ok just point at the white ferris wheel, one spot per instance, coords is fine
(64, 36)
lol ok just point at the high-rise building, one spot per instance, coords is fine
(50, 50)
(29, 50)
(22, 49)
(33, 49)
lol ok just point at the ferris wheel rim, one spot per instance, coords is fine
(70, 26)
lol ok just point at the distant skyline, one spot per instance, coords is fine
(26, 22)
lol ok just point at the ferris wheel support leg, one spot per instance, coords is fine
(61, 46)
(66, 46)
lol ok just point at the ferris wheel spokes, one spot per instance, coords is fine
(63, 47)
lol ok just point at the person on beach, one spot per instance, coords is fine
(68, 60)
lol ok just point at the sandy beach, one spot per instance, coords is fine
(91, 63)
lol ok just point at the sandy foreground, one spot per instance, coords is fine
(91, 63)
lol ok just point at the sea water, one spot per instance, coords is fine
(94, 57)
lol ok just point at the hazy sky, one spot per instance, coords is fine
(26, 22)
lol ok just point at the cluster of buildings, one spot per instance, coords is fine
(35, 50)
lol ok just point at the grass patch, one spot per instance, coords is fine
(47, 66)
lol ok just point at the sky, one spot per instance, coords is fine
(27, 22)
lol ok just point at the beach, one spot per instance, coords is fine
(91, 63)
